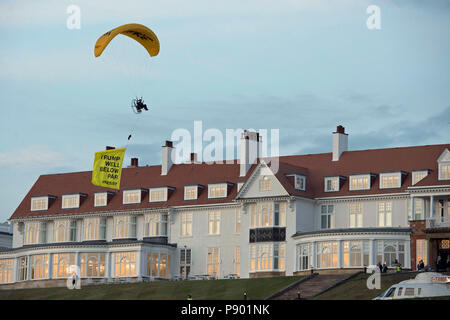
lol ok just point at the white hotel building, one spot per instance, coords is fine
(332, 211)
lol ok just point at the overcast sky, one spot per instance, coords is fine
(300, 66)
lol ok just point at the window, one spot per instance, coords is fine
(421, 251)
(23, 268)
(125, 227)
(132, 196)
(217, 190)
(391, 252)
(444, 171)
(185, 263)
(156, 225)
(73, 230)
(124, 264)
(213, 262)
(268, 214)
(62, 230)
(94, 228)
(356, 253)
(409, 292)
(419, 212)
(39, 266)
(327, 254)
(100, 199)
(267, 257)
(326, 216)
(399, 292)
(158, 194)
(35, 232)
(390, 180)
(214, 223)
(237, 261)
(39, 203)
(355, 214)
(361, 182)
(238, 221)
(240, 185)
(158, 265)
(304, 256)
(332, 184)
(92, 264)
(190, 192)
(6, 270)
(264, 184)
(418, 175)
(61, 264)
(300, 182)
(385, 214)
(71, 201)
(186, 224)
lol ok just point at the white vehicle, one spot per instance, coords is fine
(427, 284)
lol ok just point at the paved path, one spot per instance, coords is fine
(312, 287)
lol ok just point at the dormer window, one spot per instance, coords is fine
(70, 201)
(444, 171)
(418, 175)
(331, 184)
(217, 190)
(389, 180)
(190, 192)
(300, 182)
(158, 194)
(132, 196)
(39, 203)
(360, 182)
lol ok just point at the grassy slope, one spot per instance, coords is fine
(356, 289)
(162, 290)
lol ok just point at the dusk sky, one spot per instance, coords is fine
(300, 66)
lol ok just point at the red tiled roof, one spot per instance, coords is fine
(314, 166)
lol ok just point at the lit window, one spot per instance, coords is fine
(217, 190)
(327, 254)
(267, 214)
(92, 264)
(94, 228)
(186, 224)
(185, 263)
(418, 175)
(356, 253)
(39, 203)
(238, 221)
(304, 253)
(158, 265)
(391, 252)
(35, 232)
(385, 214)
(39, 266)
(190, 192)
(213, 262)
(444, 171)
(6, 270)
(101, 199)
(264, 184)
(390, 180)
(422, 251)
(61, 230)
(156, 225)
(132, 196)
(267, 257)
(361, 182)
(300, 182)
(332, 184)
(124, 264)
(158, 194)
(61, 264)
(125, 227)
(70, 201)
(355, 214)
(214, 223)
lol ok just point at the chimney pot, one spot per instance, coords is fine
(169, 144)
(134, 162)
(193, 157)
(110, 148)
(340, 129)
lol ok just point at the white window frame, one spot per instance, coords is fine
(98, 196)
(214, 222)
(188, 190)
(299, 182)
(73, 201)
(98, 231)
(334, 181)
(358, 187)
(129, 192)
(444, 170)
(384, 214)
(355, 209)
(418, 176)
(238, 224)
(186, 219)
(164, 191)
(212, 190)
(156, 225)
(329, 214)
(422, 251)
(387, 180)
(35, 200)
(129, 230)
(213, 262)
(265, 184)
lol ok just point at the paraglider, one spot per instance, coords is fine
(137, 105)
(138, 32)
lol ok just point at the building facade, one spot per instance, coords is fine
(254, 217)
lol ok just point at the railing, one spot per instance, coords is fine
(438, 222)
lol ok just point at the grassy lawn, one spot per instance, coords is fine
(160, 290)
(356, 289)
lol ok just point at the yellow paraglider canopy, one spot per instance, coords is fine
(138, 32)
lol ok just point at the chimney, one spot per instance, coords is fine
(250, 151)
(110, 148)
(340, 142)
(167, 154)
(193, 157)
(134, 163)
